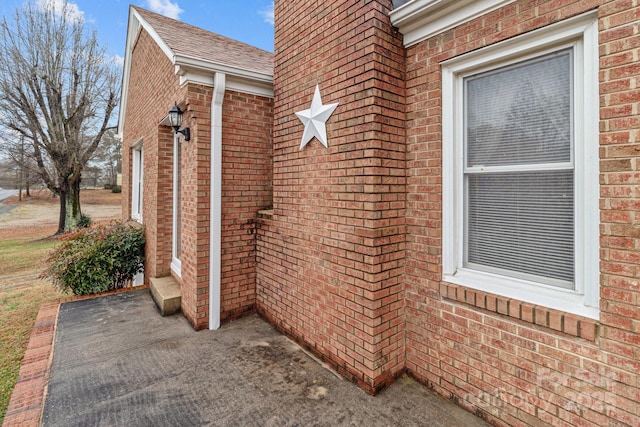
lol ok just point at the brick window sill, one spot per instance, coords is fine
(555, 320)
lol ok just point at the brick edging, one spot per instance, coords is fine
(27, 400)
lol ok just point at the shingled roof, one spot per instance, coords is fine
(198, 55)
(192, 42)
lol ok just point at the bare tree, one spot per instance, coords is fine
(108, 157)
(57, 89)
(18, 166)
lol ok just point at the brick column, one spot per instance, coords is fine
(332, 258)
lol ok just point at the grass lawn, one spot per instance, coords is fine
(25, 239)
(18, 310)
(19, 305)
(21, 255)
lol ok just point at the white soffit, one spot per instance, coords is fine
(193, 70)
(419, 20)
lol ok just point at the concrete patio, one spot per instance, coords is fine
(118, 362)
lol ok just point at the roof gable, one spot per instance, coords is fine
(198, 55)
(187, 41)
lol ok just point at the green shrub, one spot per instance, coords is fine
(116, 189)
(97, 259)
(84, 221)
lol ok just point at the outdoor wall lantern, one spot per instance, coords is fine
(175, 121)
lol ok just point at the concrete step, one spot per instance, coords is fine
(166, 294)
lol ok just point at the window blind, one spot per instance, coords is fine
(520, 114)
(519, 178)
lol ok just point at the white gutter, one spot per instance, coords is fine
(215, 225)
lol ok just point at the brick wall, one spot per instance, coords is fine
(246, 187)
(331, 259)
(195, 166)
(151, 73)
(349, 264)
(247, 128)
(511, 362)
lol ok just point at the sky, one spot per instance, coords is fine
(249, 21)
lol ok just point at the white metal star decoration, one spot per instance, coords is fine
(314, 120)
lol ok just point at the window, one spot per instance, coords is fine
(176, 251)
(520, 168)
(137, 181)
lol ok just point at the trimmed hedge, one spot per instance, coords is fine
(97, 259)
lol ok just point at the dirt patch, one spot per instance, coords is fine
(37, 216)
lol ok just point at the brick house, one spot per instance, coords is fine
(179, 188)
(473, 221)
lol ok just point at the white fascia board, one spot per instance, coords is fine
(419, 20)
(135, 23)
(155, 36)
(189, 69)
(189, 62)
(188, 75)
(132, 32)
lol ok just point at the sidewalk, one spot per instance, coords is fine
(117, 362)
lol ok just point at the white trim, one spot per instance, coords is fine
(252, 87)
(591, 160)
(137, 179)
(522, 290)
(154, 35)
(197, 63)
(234, 83)
(545, 38)
(138, 279)
(419, 20)
(137, 144)
(176, 263)
(215, 224)
(581, 32)
(136, 23)
(451, 163)
(193, 76)
(176, 266)
(132, 31)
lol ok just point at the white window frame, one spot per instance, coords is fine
(581, 33)
(176, 263)
(137, 180)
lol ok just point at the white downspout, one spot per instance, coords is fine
(215, 225)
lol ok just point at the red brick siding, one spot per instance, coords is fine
(152, 90)
(194, 282)
(331, 261)
(514, 363)
(247, 128)
(246, 188)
